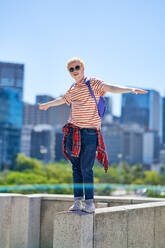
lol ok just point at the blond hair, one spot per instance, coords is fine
(74, 59)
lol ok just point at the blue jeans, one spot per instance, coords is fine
(82, 165)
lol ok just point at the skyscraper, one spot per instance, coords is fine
(11, 110)
(54, 116)
(163, 120)
(142, 109)
(12, 76)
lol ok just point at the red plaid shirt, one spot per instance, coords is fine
(101, 154)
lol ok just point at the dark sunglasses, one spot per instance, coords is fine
(77, 68)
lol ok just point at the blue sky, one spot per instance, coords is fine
(120, 41)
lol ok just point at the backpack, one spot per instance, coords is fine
(101, 105)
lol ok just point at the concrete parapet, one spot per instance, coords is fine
(130, 226)
(27, 221)
(110, 228)
(54, 203)
(19, 221)
(48, 208)
(73, 229)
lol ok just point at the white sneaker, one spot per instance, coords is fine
(89, 207)
(76, 206)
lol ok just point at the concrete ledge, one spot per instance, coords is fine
(27, 221)
(131, 226)
(73, 230)
(19, 221)
(54, 203)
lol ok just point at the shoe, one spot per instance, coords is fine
(76, 206)
(89, 207)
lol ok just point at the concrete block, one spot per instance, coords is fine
(110, 228)
(160, 226)
(19, 221)
(101, 204)
(5, 221)
(34, 222)
(25, 222)
(141, 227)
(73, 230)
(48, 208)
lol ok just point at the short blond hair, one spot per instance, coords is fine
(74, 59)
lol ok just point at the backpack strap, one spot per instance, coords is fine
(72, 85)
(91, 91)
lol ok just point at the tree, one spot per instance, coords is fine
(25, 163)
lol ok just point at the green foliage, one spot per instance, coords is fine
(32, 171)
(24, 163)
(151, 178)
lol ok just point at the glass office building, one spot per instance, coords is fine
(11, 111)
(12, 76)
(9, 144)
(142, 109)
(135, 109)
(163, 121)
(11, 108)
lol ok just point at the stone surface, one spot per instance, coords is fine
(141, 227)
(19, 221)
(48, 209)
(5, 221)
(160, 226)
(73, 230)
(101, 204)
(110, 228)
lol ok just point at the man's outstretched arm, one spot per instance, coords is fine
(121, 89)
(56, 102)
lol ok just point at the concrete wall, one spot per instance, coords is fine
(19, 221)
(51, 204)
(38, 220)
(131, 226)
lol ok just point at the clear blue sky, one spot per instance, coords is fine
(121, 42)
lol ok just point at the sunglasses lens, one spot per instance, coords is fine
(71, 69)
(77, 67)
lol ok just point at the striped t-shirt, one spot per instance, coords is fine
(84, 111)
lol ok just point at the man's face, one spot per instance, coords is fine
(76, 70)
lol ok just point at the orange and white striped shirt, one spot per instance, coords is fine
(84, 111)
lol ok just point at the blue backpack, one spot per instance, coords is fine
(101, 105)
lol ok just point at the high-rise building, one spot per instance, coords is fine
(9, 144)
(12, 76)
(144, 109)
(42, 143)
(54, 116)
(163, 120)
(123, 142)
(151, 147)
(59, 147)
(11, 110)
(26, 140)
(43, 98)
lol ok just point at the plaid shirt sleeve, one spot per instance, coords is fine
(97, 86)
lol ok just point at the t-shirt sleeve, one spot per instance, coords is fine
(97, 86)
(67, 97)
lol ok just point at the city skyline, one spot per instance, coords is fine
(120, 42)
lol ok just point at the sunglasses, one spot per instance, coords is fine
(77, 68)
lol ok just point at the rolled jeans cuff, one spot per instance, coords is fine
(88, 201)
(78, 198)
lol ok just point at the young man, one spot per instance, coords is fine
(83, 140)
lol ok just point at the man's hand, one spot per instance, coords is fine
(138, 91)
(43, 106)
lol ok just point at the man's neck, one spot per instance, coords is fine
(80, 80)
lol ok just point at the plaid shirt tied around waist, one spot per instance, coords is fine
(101, 154)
